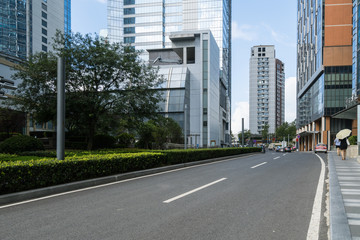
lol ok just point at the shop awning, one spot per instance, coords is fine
(307, 133)
(347, 113)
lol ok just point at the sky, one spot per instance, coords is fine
(256, 22)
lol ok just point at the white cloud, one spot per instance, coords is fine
(290, 99)
(279, 37)
(244, 32)
(241, 110)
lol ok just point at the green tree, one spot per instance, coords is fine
(286, 130)
(104, 81)
(247, 135)
(265, 132)
(155, 133)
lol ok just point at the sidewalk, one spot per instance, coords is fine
(344, 181)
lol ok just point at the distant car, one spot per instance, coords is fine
(287, 149)
(279, 149)
(320, 147)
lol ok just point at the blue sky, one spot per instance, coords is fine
(257, 22)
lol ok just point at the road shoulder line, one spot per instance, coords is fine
(314, 226)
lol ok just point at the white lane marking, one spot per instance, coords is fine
(276, 158)
(117, 182)
(314, 226)
(259, 165)
(192, 191)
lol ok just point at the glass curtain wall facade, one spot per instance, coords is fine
(27, 26)
(147, 24)
(324, 68)
(13, 28)
(67, 16)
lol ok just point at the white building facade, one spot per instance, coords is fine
(267, 90)
(191, 69)
(148, 24)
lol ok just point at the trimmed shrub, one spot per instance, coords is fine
(25, 175)
(19, 174)
(183, 156)
(103, 141)
(353, 140)
(125, 139)
(21, 143)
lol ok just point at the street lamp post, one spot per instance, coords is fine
(185, 127)
(60, 128)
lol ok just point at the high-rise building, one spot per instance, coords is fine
(191, 70)
(28, 26)
(147, 24)
(267, 90)
(324, 69)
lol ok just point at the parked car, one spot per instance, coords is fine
(279, 149)
(287, 149)
(320, 147)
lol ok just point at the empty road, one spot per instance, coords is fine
(263, 196)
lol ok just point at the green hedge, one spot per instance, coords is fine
(24, 175)
(190, 155)
(21, 143)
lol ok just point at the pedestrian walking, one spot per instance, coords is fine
(337, 145)
(343, 146)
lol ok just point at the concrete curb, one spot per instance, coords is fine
(339, 225)
(42, 192)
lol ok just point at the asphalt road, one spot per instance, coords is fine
(265, 196)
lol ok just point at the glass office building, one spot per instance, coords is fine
(147, 24)
(324, 69)
(28, 26)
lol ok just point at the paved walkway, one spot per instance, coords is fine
(344, 178)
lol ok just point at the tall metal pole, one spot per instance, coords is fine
(185, 127)
(242, 137)
(60, 128)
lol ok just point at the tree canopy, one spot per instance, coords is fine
(286, 130)
(104, 82)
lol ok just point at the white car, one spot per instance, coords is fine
(320, 147)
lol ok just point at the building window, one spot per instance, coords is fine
(128, 11)
(44, 31)
(129, 20)
(44, 23)
(190, 53)
(44, 7)
(128, 30)
(129, 2)
(129, 39)
(44, 48)
(43, 14)
(44, 40)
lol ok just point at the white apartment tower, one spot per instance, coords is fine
(267, 90)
